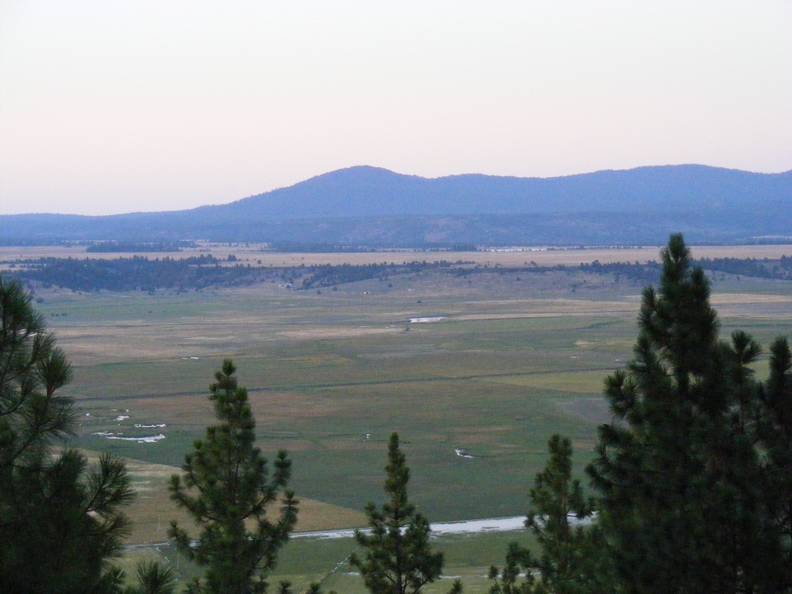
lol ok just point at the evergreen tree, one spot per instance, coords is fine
(285, 588)
(228, 491)
(59, 522)
(775, 438)
(518, 565)
(398, 557)
(32, 369)
(573, 559)
(153, 578)
(678, 470)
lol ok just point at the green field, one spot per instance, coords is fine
(304, 561)
(332, 374)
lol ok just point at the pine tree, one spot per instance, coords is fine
(518, 565)
(677, 471)
(228, 491)
(285, 588)
(153, 578)
(775, 438)
(573, 559)
(32, 370)
(60, 522)
(398, 556)
(554, 498)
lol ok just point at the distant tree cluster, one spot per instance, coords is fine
(650, 272)
(141, 274)
(129, 246)
(635, 272)
(199, 272)
(779, 269)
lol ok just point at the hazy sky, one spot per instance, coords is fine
(110, 106)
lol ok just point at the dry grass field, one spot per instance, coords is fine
(260, 255)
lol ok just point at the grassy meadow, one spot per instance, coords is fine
(511, 361)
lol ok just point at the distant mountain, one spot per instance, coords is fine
(373, 206)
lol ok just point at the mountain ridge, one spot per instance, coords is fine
(372, 191)
(349, 205)
(382, 171)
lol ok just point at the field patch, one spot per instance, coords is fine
(574, 382)
(320, 333)
(152, 510)
(595, 410)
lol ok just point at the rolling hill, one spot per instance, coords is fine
(373, 206)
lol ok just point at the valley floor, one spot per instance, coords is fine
(475, 393)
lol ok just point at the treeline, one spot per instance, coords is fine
(320, 248)
(139, 273)
(691, 480)
(199, 272)
(649, 272)
(637, 272)
(779, 269)
(129, 246)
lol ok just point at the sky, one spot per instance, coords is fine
(112, 106)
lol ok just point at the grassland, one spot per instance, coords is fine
(508, 364)
(304, 561)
